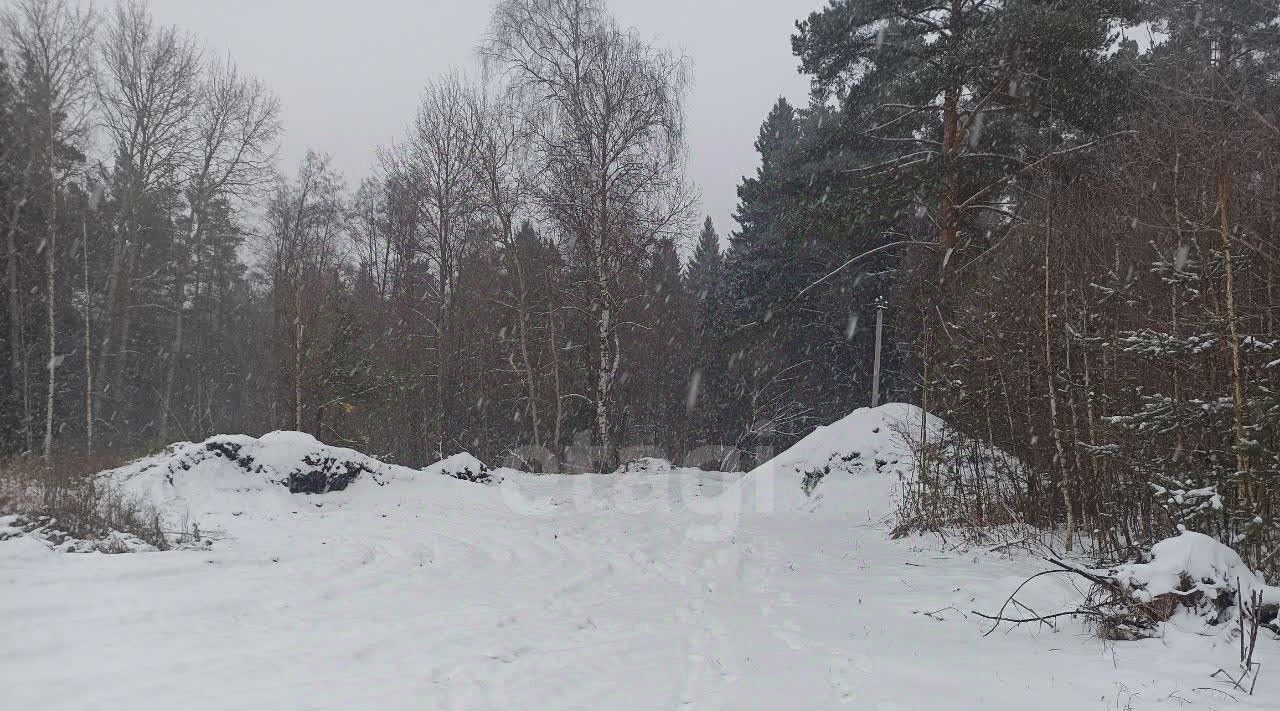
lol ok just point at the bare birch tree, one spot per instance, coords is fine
(505, 169)
(440, 156)
(612, 144)
(53, 39)
(235, 127)
(305, 221)
(150, 92)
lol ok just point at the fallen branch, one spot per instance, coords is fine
(1010, 544)
(999, 616)
(1041, 618)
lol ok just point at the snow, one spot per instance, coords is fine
(462, 466)
(653, 587)
(24, 547)
(1192, 562)
(851, 444)
(230, 474)
(46, 534)
(865, 449)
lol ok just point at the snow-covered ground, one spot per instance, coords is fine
(654, 589)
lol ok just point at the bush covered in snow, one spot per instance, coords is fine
(646, 465)
(1189, 574)
(48, 531)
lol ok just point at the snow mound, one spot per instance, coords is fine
(235, 474)
(849, 466)
(866, 438)
(294, 460)
(19, 547)
(465, 467)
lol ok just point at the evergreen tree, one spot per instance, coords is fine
(961, 97)
(792, 349)
(764, 202)
(344, 371)
(704, 282)
(661, 351)
(706, 266)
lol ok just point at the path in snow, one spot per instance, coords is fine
(623, 592)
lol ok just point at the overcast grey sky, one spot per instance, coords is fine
(349, 72)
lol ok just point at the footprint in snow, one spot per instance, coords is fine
(844, 673)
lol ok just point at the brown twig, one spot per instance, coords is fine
(999, 616)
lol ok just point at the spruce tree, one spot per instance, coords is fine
(791, 356)
(704, 284)
(702, 276)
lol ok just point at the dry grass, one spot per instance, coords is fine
(64, 494)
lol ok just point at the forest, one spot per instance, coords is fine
(1065, 208)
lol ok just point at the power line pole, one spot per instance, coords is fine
(875, 373)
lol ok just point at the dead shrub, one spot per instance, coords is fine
(1123, 617)
(65, 496)
(958, 484)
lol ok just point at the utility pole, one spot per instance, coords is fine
(875, 373)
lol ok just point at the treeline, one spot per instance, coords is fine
(1084, 244)
(120, 272)
(523, 268)
(1073, 235)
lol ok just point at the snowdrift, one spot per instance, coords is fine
(851, 466)
(465, 467)
(867, 439)
(298, 462)
(281, 464)
(238, 473)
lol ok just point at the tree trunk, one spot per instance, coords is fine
(51, 263)
(555, 372)
(108, 325)
(175, 353)
(948, 236)
(17, 360)
(117, 384)
(166, 402)
(603, 380)
(923, 465)
(88, 345)
(522, 307)
(1059, 453)
(298, 360)
(1237, 375)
